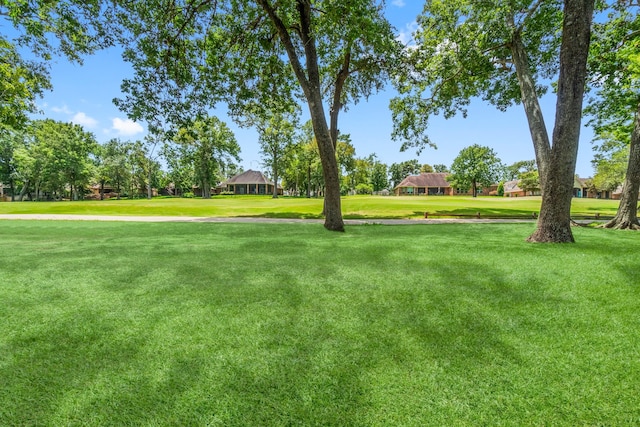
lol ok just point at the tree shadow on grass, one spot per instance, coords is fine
(230, 337)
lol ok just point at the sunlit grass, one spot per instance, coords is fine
(253, 324)
(293, 207)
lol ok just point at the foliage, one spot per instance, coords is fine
(426, 168)
(440, 168)
(21, 82)
(615, 108)
(213, 144)
(364, 188)
(276, 134)
(500, 189)
(610, 169)
(379, 179)
(56, 158)
(465, 49)
(475, 165)
(514, 170)
(529, 182)
(399, 171)
(180, 167)
(69, 28)
(614, 66)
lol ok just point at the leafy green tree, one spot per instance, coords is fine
(179, 159)
(529, 181)
(615, 107)
(502, 52)
(610, 169)
(440, 168)
(116, 164)
(10, 140)
(379, 180)
(21, 82)
(63, 152)
(514, 170)
(276, 134)
(188, 56)
(475, 165)
(426, 168)
(213, 144)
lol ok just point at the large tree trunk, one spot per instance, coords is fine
(206, 189)
(627, 215)
(554, 223)
(332, 203)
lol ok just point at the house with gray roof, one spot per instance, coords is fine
(249, 182)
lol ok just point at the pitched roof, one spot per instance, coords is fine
(434, 179)
(248, 177)
(512, 186)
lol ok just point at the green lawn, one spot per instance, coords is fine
(257, 325)
(294, 207)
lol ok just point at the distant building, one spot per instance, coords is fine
(434, 184)
(249, 182)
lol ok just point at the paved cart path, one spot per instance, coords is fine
(130, 218)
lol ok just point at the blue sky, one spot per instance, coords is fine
(83, 95)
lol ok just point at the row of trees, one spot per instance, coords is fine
(261, 57)
(52, 160)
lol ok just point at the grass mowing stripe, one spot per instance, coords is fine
(254, 324)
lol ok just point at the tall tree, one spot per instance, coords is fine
(213, 143)
(502, 52)
(10, 140)
(116, 164)
(180, 170)
(615, 106)
(475, 165)
(195, 53)
(379, 180)
(516, 169)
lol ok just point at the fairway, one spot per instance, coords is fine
(253, 324)
(353, 207)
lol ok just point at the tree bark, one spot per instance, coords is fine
(275, 174)
(554, 223)
(531, 104)
(627, 214)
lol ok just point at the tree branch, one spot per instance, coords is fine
(530, 13)
(285, 37)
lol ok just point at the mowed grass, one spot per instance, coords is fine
(300, 207)
(288, 324)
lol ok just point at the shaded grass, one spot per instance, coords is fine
(354, 207)
(241, 324)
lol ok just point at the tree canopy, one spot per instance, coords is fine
(475, 166)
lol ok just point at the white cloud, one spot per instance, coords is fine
(84, 120)
(64, 109)
(398, 3)
(405, 35)
(126, 127)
